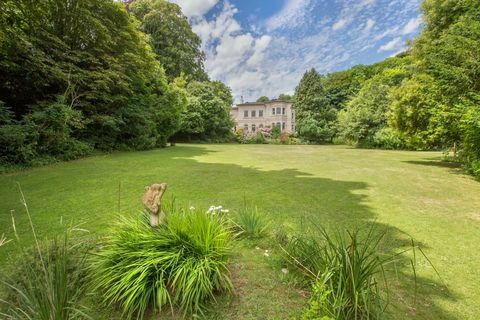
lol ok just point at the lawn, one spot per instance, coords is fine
(408, 194)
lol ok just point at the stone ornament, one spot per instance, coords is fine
(152, 202)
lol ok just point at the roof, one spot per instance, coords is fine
(260, 103)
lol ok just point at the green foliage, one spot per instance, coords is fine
(276, 132)
(315, 118)
(78, 74)
(345, 270)
(48, 281)
(177, 47)
(49, 284)
(285, 97)
(183, 263)
(366, 113)
(251, 223)
(436, 105)
(207, 116)
(263, 99)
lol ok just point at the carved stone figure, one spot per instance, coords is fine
(152, 201)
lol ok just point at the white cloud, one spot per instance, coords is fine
(412, 26)
(195, 8)
(395, 44)
(261, 45)
(269, 57)
(368, 26)
(340, 24)
(293, 13)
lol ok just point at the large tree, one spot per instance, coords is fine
(438, 104)
(315, 118)
(83, 61)
(207, 116)
(177, 47)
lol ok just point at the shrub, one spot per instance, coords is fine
(345, 271)
(49, 279)
(250, 223)
(388, 138)
(182, 262)
(275, 132)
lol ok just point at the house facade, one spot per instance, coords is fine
(252, 116)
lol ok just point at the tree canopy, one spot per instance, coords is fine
(177, 47)
(315, 118)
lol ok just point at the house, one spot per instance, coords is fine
(251, 116)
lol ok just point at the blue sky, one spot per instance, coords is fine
(263, 47)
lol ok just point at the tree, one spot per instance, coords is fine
(177, 47)
(207, 116)
(437, 104)
(366, 113)
(285, 97)
(82, 60)
(263, 99)
(315, 118)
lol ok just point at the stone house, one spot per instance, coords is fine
(251, 116)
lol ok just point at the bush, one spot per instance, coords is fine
(251, 224)
(182, 262)
(344, 270)
(49, 282)
(388, 138)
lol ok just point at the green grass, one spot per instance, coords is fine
(407, 194)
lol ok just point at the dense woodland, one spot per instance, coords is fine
(427, 98)
(84, 75)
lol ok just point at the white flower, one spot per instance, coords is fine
(257, 248)
(266, 253)
(218, 208)
(192, 208)
(224, 210)
(285, 270)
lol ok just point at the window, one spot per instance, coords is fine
(260, 113)
(245, 127)
(273, 124)
(293, 127)
(283, 125)
(273, 111)
(254, 113)
(283, 110)
(279, 125)
(245, 114)
(260, 126)
(279, 110)
(253, 127)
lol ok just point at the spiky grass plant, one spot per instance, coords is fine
(181, 263)
(250, 223)
(49, 279)
(346, 270)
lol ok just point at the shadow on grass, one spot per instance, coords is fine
(437, 163)
(289, 196)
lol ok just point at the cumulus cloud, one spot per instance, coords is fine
(269, 56)
(195, 8)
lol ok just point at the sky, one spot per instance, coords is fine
(263, 47)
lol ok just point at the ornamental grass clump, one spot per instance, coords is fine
(181, 263)
(49, 279)
(346, 271)
(250, 223)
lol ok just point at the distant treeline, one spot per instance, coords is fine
(427, 98)
(84, 75)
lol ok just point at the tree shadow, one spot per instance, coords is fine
(436, 163)
(290, 197)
